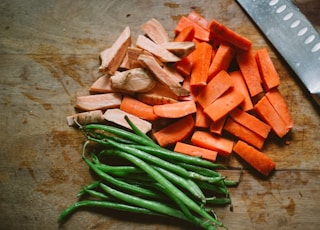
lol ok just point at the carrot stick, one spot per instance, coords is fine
(175, 110)
(202, 120)
(223, 33)
(254, 157)
(224, 104)
(244, 133)
(214, 89)
(199, 32)
(279, 104)
(268, 113)
(221, 60)
(251, 122)
(195, 151)
(238, 80)
(175, 132)
(250, 71)
(213, 142)
(138, 108)
(197, 18)
(186, 34)
(184, 66)
(201, 59)
(217, 127)
(269, 75)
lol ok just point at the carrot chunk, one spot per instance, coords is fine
(238, 80)
(217, 127)
(254, 157)
(175, 110)
(175, 132)
(244, 133)
(201, 59)
(269, 75)
(268, 113)
(186, 34)
(202, 119)
(196, 151)
(214, 89)
(250, 71)
(197, 18)
(213, 142)
(199, 32)
(251, 122)
(280, 105)
(224, 104)
(224, 33)
(138, 108)
(221, 60)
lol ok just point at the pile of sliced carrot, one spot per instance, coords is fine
(196, 96)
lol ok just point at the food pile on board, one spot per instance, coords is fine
(164, 110)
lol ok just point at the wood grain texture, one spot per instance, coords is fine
(49, 55)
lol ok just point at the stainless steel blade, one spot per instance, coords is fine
(292, 35)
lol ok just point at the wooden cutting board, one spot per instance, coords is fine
(49, 55)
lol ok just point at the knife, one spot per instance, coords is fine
(294, 37)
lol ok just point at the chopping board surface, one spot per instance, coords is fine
(49, 54)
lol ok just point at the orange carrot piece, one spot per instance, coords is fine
(214, 89)
(251, 122)
(202, 119)
(249, 69)
(238, 80)
(184, 66)
(217, 127)
(213, 142)
(175, 110)
(186, 34)
(244, 133)
(280, 105)
(138, 108)
(199, 32)
(255, 158)
(196, 151)
(224, 33)
(269, 75)
(197, 18)
(221, 60)
(268, 113)
(201, 59)
(175, 132)
(224, 104)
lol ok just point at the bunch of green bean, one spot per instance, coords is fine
(152, 180)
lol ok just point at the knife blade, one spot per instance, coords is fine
(293, 36)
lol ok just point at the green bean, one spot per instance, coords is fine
(136, 130)
(219, 201)
(163, 163)
(118, 183)
(201, 170)
(103, 204)
(213, 187)
(168, 185)
(90, 186)
(96, 194)
(119, 132)
(184, 183)
(172, 155)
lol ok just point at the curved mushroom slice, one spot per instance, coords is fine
(111, 58)
(98, 101)
(133, 80)
(155, 31)
(157, 50)
(162, 75)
